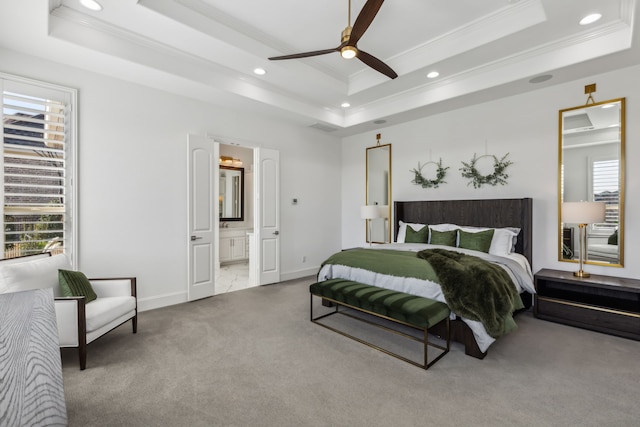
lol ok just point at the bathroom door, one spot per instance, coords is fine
(268, 215)
(202, 177)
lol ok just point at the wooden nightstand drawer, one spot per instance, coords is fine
(600, 319)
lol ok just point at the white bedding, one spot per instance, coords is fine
(599, 251)
(522, 279)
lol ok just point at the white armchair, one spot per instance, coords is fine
(78, 323)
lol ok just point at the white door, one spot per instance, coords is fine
(202, 172)
(268, 210)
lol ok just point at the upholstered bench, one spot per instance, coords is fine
(398, 307)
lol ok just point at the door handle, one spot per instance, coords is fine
(275, 233)
(195, 238)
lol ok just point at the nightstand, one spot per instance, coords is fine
(600, 303)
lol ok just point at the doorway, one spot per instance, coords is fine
(249, 243)
(236, 196)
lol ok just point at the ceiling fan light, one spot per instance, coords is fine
(348, 52)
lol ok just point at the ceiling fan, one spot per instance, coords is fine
(350, 37)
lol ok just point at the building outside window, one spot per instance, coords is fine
(38, 168)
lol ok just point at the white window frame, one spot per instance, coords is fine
(25, 86)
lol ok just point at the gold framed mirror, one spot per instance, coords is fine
(378, 194)
(591, 163)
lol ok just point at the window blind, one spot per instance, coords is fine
(35, 138)
(606, 184)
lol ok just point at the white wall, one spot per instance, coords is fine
(526, 126)
(132, 179)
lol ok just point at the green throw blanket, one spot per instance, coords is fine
(476, 289)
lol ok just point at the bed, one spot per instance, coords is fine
(603, 249)
(603, 252)
(488, 213)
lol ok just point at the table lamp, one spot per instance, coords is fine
(369, 212)
(583, 214)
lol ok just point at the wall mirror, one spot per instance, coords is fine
(231, 194)
(591, 168)
(378, 193)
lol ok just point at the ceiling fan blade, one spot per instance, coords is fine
(364, 19)
(376, 64)
(305, 54)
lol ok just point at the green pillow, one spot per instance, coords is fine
(75, 284)
(447, 238)
(613, 239)
(413, 236)
(480, 241)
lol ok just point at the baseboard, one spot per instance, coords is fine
(299, 274)
(160, 301)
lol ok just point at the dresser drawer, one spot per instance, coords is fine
(611, 321)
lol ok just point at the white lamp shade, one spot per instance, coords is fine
(383, 211)
(370, 212)
(583, 212)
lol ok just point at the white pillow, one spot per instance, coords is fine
(503, 241)
(402, 230)
(444, 227)
(33, 274)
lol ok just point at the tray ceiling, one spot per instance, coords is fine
(208, 49)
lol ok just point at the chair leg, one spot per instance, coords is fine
(82, 355)
(134, 323)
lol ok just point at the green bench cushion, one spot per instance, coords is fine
(418, 311)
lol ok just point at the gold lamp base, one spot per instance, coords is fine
(581, 273)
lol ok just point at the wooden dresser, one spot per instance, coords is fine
(601, 303)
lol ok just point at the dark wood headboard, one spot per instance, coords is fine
(477, 213)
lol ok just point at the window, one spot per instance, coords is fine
(37, 168)
(605, 185)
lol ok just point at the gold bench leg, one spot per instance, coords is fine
(424, 340)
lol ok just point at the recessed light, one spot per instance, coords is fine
(590, 19)
(91, 4)
(540, 79)
(260, 71)
(345, 105)
(379, 122)
(433, 74)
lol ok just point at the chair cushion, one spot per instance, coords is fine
(103, 310)
(30, 274)
(75, 284)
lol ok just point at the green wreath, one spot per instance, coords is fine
(429, 183)
(497, 177)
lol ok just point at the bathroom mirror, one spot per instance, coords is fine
(378, 193)
(231, 193)
(591, 168)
